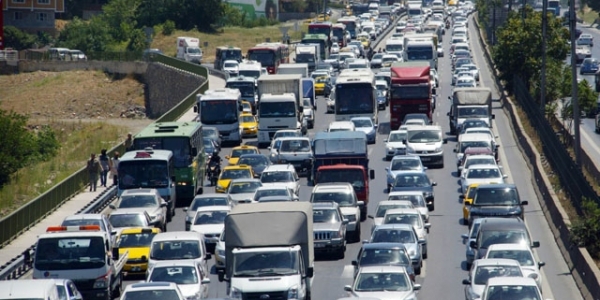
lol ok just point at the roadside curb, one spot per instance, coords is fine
(583, 268)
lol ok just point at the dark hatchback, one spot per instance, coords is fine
(258, 162)
(496, 200)
(501, 231)
(416, 181)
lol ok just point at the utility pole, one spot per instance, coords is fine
(543, 75)
(574, 99)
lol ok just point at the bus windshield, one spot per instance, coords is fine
(232, 54)
(246, 88)
(218, 112)
(419, 52)
(354, 99)
(249, 73)
(265, 57)
(180, 146)
(277, 109)
(319, 30)
(70, 253)
(145, 173)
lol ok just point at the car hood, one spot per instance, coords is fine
(376, 61)
(242, 197)
(385, 295)
(189, 290)
(425, 146)
(366, 130)
(489, 211)
(224, 182)
(348, 210)
(468, 182)
(326, 226)
(427, 189)
(233, 161)
(263, 284)
(396, 145)
(136, 252)
(208, 229)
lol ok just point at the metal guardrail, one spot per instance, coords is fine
(30, 214)
(9, 55)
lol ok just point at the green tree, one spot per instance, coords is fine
(153, 12)
(138, 41)
(585, 231)
(120, 16)
(200, 14)
(587, 97)
(17, 145)
(87, 36)
(18, 39)
(518, 51)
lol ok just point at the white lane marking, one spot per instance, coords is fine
(347, 272)
(424, 269)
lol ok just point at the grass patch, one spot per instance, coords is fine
(244, 38)
(78, 139)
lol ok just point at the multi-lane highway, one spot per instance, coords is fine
(445, 267)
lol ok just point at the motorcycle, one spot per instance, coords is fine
(447, 24)
(214, 169)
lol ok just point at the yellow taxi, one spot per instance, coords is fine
(365, 39)
(248, 125)
(230, 173)
(246, 107)
(321, 81)
(238, 151)
(137, 241)
(468, 200)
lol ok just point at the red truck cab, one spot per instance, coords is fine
(411, 91)
(353, 174)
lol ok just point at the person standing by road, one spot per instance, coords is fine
(128, 142)
(105, 165)
(114, 168)
(93, 168)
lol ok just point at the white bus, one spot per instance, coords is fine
(221, 109)
(355, 95)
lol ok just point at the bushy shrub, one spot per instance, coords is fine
(168, 27)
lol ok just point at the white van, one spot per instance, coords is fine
(178, 245)
(45, 289)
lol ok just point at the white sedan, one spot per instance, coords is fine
(402, 164)
(482, 174)
(484, 269)
(394, 144)
(477, 159)
(384, 283)
(521, 253)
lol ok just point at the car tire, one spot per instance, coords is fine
(356, 233)
(341, 254)
(418, 271)
(465, 221)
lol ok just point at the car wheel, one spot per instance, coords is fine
(468, 265)
(169, 217)
(341, 254)
(425, 255)
(465, 221)
(356, 233)
(418, 271)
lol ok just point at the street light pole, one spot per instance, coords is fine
(574, 99)
(543, 71)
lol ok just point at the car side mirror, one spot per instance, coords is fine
(465, 237)
(416, 287)
(524, 202)
(493, 116)
(422, 241)
(541, 264)
(345, 222)
(385, 140)
(434, 183)
(445, 141)
(427, 225)
(227, 157)
(473, 244)
(372, 174)
(185, 209)
(207, 256)
(194, 152)
(370, 217)
(361, 203)
(195, 108)
(466, 281)
(112, 206)
(164, 204)
(504, 176)
(221, 276)
(455, 150)
(310, 272)
(347, 288)
(535, 244)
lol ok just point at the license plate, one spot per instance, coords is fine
(425, 158)
(136, 269)
(319, 245)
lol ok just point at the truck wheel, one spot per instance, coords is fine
(363, 213)
(341, 254)
(169, 216)
(117, 292)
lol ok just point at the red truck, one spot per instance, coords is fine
(411, 91)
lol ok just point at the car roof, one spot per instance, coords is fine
(84, 217)
(137, 230)
(502, 223)
(139, 192)
(213, 208)
(394, 226)
(396, 193)
(238, 180)
(476, 156)
(398, 131)
(483, 166)
(473, 136)
(382, 269)
(175, 263)
(129, 211)
(325, 205)
(406, 157)
(513, 246)
(210, 195)
(237, 167)
(403, 211)
(518, 281)
(498, 186)
(279, 167)
(148, 286)
(333, 186)
(384, 246)
(178, 236)
(273, 187)
(495, 261)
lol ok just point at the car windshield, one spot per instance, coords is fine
(294, 146)
(268, 193)
(524, 257)
(393, 236)
(416, 199)
(483, 273)
(397, 137)
(424, 136)
(491, 237)
(210, 217)
(371, 282)
(254, 161)
(370, 257)
(410, 219)
(240, 152)
(152, 295)
(176, 249)
(235, 174)
(513, 292)
(244, 187)
(382, 209)
(136, 240)
(270, 177)
(246, 119)
(496, 196)
(474, 144)
(480, 173)
(407, 180)
(343, 199)
(362, 123)
(209, 201)
(406, 164)
(326, 216)
(377, 56)
(127, 220)
(480, 161)
(138, 201)
(177, 275)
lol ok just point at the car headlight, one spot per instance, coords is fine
(220, 187)
(440, 149)
(196, 296)
(351, 218)
(221, 252)
(283, 161)
(412, 252)
(100, 283)
(427, 194)
(235, 293)
(293, 293)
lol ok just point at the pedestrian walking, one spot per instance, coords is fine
(114, 168)
(93, 167)
(128, 142)
(105, 165)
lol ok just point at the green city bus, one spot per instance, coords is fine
(184, 139)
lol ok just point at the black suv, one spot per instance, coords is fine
(501, 231)
(496, 200)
